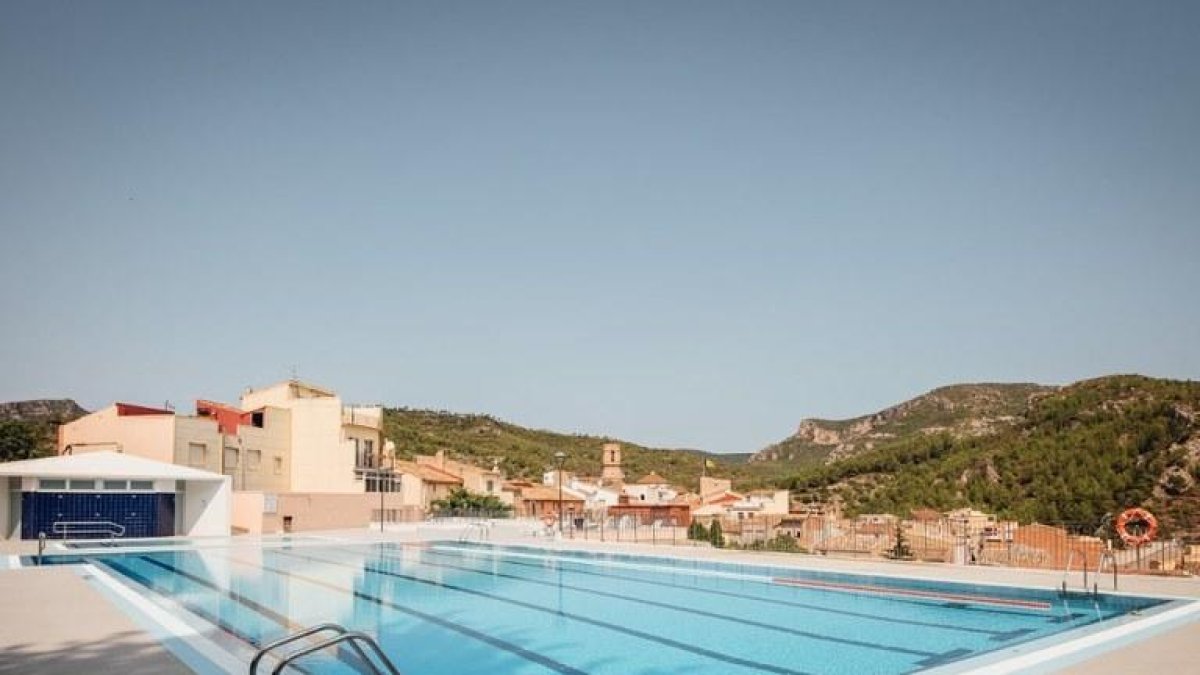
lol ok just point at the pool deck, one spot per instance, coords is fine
(52, 621)
(35, 638)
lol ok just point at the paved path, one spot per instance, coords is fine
(52, 621)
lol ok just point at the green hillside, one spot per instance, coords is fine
(526, 453)
(1077, 455)
(29, 429)
(958, 410)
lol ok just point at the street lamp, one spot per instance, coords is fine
(559, 457)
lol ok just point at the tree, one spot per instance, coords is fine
(463, 501)
(901, 550)
(697, 531)
(18, 440)
(714, 535)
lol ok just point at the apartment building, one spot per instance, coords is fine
(471, 477)
(153, 433)
(296, 456)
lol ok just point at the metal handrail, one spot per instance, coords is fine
(353, 637)
(482, 527)
(1108, 555)
(65, 527)
(341, 634)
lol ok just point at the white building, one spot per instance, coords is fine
(651, 489)
(102, 494)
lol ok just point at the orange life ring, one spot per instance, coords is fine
(549, 518)
(1137, 515)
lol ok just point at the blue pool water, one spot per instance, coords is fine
(455, 608)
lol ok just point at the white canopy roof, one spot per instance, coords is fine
(105, 464)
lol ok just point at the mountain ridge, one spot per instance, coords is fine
(969, 409)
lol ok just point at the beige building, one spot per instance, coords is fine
(330, 445)
(153, 433)
(296, 456)
(422, 484)
(472, 478)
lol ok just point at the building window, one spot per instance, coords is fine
(362, 453)
(83, 484)
(141, 485)
(256, 419)
(369, 452)
(116, 485)
(491, 486)
(231, 458)
(278, 466)
(253, 459)
(197, 454)
(52, 484)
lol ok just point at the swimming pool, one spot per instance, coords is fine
(448, 607)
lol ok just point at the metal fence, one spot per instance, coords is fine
(1032, 545)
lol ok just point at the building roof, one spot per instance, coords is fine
(652, 478)
(297, 389)
(104, 464)
(726, 498)
(129, 410)
(428, 473)
(710, 510)
(544, 493)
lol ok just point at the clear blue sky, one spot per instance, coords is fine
(685, 224)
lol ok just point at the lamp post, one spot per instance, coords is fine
(380, 472)
(558, 458)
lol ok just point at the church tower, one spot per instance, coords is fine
(611, 473)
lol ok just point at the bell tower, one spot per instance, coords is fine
(610, 461)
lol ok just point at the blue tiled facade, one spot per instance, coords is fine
(143, 514)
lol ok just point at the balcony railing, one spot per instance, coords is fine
(363, 416)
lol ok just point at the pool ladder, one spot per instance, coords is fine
(480, 528)
(356, 640)
(1105, 556)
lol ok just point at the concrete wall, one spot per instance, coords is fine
(273, 441)
(319, 511)
(246, 512)
(321, 459)
(149, 436)
(206, 508)
(199, 430)
(5, 530)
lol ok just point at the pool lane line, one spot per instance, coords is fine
(689, 610)
(883, 591)
(719, 656)
(122, 569)
(496, 642)
(995, 634)
(243, 600)
(348, 658)
(912, 592)
(193, 648)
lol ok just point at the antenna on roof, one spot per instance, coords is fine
(294, 375)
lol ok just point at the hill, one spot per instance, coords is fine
(961, 410)
(29, 428)
(527, 453)
(1076, 455)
